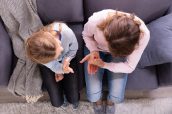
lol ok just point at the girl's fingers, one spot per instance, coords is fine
(71, 70)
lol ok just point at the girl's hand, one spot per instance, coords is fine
(58, 77)
(68, 70)
(66, 63)
(66, 67)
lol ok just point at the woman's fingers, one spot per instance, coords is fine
(92, 69)
(99, 63)
(88, 69)
(85, 58)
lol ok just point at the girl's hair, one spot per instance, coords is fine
(41, 47)
(122, 33)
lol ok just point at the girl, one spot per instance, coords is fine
(54, 46)
(115, 42)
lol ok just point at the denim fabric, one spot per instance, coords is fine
(116, 81)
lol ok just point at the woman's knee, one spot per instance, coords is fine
(93, 97)
(116, 99)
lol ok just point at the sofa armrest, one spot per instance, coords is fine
(5, 55)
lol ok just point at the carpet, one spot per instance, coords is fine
(135, 106)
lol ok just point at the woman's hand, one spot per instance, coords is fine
(98, 62)
(92, 69)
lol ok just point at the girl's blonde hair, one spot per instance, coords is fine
(41, 46)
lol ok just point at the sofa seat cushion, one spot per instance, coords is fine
(164, 72)
(143, 79)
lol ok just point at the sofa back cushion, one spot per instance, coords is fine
(60, 10)
(147, 10)
(159, 49)
(5, 56)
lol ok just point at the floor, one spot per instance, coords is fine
(131, 106)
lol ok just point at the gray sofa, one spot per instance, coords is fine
(155, 67)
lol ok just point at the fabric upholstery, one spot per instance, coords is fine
(75, 13)
(143, 79)
(60, 10)
(145, 9)
(5, 55)
(164, 72)
(159, 49)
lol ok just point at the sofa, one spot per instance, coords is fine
(154, 70)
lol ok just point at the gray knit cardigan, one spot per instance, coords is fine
(21, 19)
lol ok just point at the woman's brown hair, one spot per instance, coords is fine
(121, 32)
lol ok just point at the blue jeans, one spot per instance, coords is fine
(116, 81)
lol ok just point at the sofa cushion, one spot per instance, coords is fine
(80, 53)
(145, 9)
(142, 79)
(5, 56)
(159, 49)
(60, 10)
(164, 72)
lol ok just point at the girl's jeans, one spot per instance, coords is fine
(116, 81)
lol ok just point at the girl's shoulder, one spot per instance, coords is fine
(61, 26)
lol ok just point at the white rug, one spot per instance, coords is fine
(140, 106)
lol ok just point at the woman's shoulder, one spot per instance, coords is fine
(103, 12)
(100, 14)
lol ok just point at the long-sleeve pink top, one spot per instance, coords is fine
(95, 41)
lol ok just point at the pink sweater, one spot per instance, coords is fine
(95, 41)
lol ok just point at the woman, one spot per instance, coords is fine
(115, 42)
